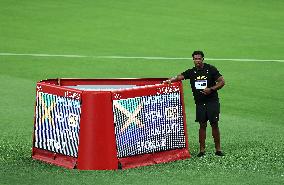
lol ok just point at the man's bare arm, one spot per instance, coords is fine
(220, 83)
(174, 79)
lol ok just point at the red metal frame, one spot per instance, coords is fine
(97, 144)
(106, 81)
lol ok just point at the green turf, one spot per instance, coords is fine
(252, 101)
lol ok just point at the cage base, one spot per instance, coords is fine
(54, 158)
(154, 158)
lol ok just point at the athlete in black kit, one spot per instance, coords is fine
(205, 81)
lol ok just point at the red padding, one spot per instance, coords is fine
(154, 158)
(54, 158)
(97, 148)
(116, 81)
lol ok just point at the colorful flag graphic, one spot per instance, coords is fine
(148, 124)
(57, 124)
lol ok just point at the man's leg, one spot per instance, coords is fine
(202, 136)
(216, 136)
(213, 115)
(201, 118)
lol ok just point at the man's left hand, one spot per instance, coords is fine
(207, 91)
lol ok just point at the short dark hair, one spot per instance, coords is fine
(198, 53)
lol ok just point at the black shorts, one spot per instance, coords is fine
(208, 111)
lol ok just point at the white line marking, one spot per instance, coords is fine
(133, 57)
(41, 55)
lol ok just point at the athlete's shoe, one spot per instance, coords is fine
(219, 153)
(201, 154)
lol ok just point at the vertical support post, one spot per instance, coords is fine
(97, 146)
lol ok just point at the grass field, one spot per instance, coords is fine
(252, 120)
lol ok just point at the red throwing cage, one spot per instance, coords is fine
(106, 124)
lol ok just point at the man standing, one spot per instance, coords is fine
(205, 81)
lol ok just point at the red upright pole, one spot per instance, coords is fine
(97, 146)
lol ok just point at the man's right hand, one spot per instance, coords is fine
(167, 82)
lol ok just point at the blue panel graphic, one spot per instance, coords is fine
(148, 124)
(57, 124)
